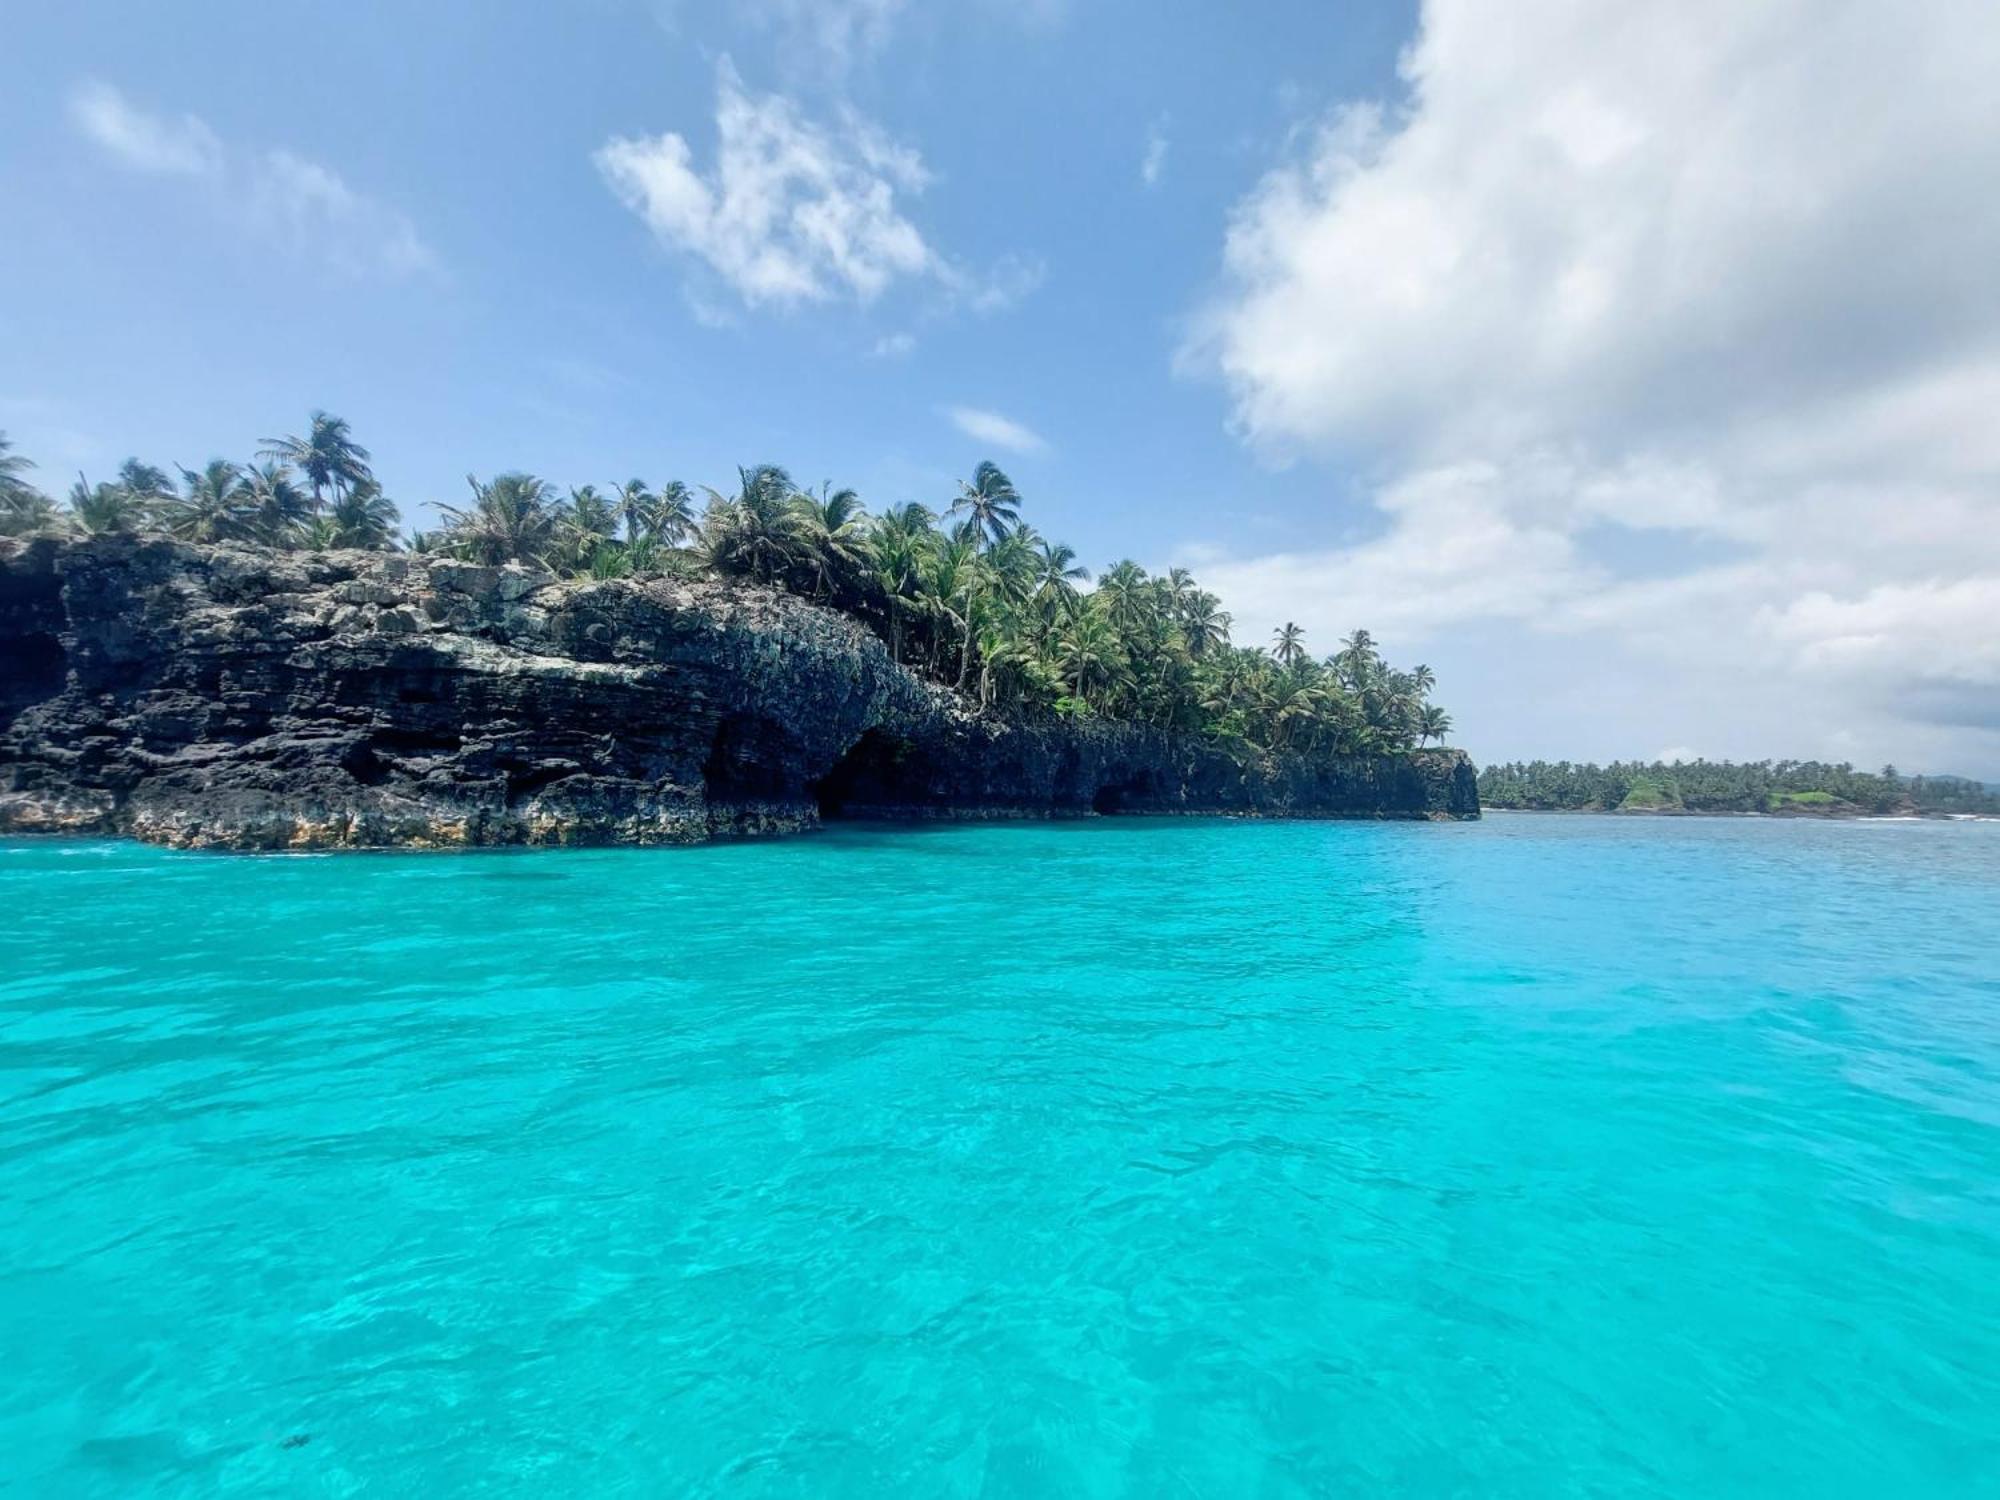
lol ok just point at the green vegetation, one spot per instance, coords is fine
(1646, 795)
(308, 492)
(968, 593)
(1723, 786)
(1779, 800)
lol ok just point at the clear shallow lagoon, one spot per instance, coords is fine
(1140, 1158)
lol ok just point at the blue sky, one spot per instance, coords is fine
(1509, 353)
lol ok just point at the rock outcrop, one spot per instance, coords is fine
(233, 697)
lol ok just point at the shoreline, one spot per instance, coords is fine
(1770, 817)
(314, 842)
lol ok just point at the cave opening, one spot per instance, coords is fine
(33, 664)
(526, 782)
(1135, 793)
(873, 773)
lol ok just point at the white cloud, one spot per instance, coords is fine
(817, 40)
(291, 201)
(148, 143)
(795, 210)
(792, 212)
(1010, 280)
(1670, 329)
(309, 207)
(894, 345)
(827, 35)
(1154, 163)
(998, 431)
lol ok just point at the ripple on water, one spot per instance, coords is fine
(1539, 1156)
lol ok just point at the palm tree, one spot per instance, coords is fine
(327, 455)
(1087, 654)
(899, 543)
(1012, 668)
(1123, 595)
(1291, 644)
(144, 482)
(1012, 568)
(833, 528)
(952, 589)
(511, 519)
(1433, 723)
(13, 468)
(1057, 573)
(646, 555)
(364, 518)
(101, 509)
(1290, 708)
(214, 505)
(634, 504)
(990, 502)
(25, 511)
(1357, 659)
(1204, 625)
(671, 518)
(609, 561)
(23, 508)
(756, 531)
(583, 526)
(279, 505)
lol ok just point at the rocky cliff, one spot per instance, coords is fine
(238, 698)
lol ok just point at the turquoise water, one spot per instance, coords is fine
(1542, 1156)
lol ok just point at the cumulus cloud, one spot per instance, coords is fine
(795, 210)
(995, 430)
(792, 211)
(287, 199)
(1679, 279)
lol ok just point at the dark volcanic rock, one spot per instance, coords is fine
(239, 698)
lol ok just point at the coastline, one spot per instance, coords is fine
(240, 698)
(1798, 816)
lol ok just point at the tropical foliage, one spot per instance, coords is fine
(315, 492)
(1724, 786)
(23, 508)
(969, 594)
(328, 457)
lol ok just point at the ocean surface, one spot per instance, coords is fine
(1542, 1156)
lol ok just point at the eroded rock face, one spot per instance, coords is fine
(237, 698)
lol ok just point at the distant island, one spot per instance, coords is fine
(252, 655)
(1783, 788)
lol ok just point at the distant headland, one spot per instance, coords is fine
(1775, 788)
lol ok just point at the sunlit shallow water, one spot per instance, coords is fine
(1140, 1158)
